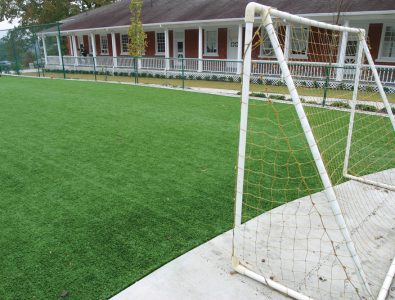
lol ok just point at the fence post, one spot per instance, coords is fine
(60, 50)
(182, 73)
(326, 84)
(94, 67)
(35, 52)
(14, 52)
(135, 69)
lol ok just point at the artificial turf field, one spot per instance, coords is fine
(100, 184)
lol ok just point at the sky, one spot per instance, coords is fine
(7, 25)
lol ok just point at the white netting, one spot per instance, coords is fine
(289, 231)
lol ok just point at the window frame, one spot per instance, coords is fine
(156, 43)
(101, 45)
(121, 44)
(380, 57)
(261, 55)
(205, 53)
(300, 56)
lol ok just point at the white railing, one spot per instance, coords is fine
(53, 60)
(69, 60)
(299, 69)
(153, 63)
(85, 61)
(105, 61)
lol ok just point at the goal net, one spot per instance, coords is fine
(315, 194)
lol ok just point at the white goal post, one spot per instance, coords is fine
(334, 235)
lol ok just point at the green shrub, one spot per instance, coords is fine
(277, 83)
(369, 89)
(277, 97)
(340, 104)
(259, 95)
(311, 102)
(342, 86)
(384, 110)
(366, 107)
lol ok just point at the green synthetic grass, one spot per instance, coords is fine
(100, 184)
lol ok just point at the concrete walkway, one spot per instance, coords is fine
(206, 273)
(317, 99)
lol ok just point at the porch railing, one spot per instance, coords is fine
(267, 69)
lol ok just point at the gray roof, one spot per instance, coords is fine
(171, 11)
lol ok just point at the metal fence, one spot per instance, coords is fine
(25, 51)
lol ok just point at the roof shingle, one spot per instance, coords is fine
(170, 11)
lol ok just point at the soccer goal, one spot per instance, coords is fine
(315, 199)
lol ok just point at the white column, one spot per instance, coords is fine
(59, 50)
(239, 48)
(200, 52)
(342, 53)
(45, 50)
(167, 51)
(75, 51)
(93, 41)
(114, 50)
(287, 42)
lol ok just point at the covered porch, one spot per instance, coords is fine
(200, 51)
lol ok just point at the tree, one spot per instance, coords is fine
(137, 36)
(45, 11)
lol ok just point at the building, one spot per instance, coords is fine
(209, 34)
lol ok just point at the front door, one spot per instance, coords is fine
(232, 48)
(179, 49)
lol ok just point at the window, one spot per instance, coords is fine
(104, 44)
(160, 43)
(351, 52)
(211, 42)
(266, 46)
(124, 44)
(299, 42)
(388, 43)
